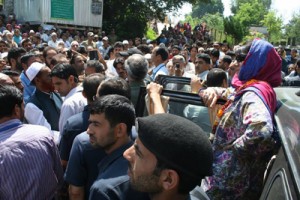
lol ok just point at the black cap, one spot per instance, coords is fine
(178, 142)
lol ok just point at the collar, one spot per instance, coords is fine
(109, 159)
(10, 124)
(73, 91)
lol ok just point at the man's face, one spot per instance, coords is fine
(120, 68)
(79, 63)
(45, 81)
(27, 46)
(234, 67)
(175, 51)
(49, 56)
(100, 132)
(178, 66)
(200, 65)
(17, 82)
(62, 86)
(293, 53)
(141, 170)
(117, 50)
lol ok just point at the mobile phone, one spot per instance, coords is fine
(93, 55)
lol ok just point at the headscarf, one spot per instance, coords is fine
(262, 63)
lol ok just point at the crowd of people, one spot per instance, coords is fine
(68, 128)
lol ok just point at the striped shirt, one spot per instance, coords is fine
(29, 162)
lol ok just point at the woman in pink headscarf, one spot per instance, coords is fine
(244, 139)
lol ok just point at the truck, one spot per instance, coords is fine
(78, 14)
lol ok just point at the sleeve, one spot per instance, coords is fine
(76, 173)
(67, 138)
(96, 193)
(35, 116)
(67, 110)
(258, 124)
(57, 167)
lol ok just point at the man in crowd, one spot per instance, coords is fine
(15, 77)
(82, 168)
(43, 108)
(89, 41)
(202, 66)
(111, 132)
(65, 81)
(224, 62)
(79, 123)
(29, 157)
(177, 165)
(159, 56)
(137, 68)
(14, 58)
(94, 66)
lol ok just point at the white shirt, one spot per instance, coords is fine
(73, 103)
(53, 44)
(111, 71)
(35, 116)
(203, 75)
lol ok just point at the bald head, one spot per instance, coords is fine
(5, 80)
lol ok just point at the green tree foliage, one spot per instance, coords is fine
(247, 15)
(129, 17)
(292, 29)
(202, 8)
(234, 28)
(214, 21)
(237, 3)
(274, 26)
(251, 13)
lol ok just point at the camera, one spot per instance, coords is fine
(177, 65)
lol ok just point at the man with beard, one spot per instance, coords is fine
(169, 158)
(14, 58)
(43, 108)
(111, 120)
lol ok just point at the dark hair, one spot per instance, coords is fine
(64, 71)
(215, 53)
(144, 48)
(10, 96)
(118, 44)
(26, 57)
(205, 57)
(110, 50)
(118, 60)
(90, 85)
(25, 40)
(57, 59)
(45, 51)
(114, 85)
(116, 108)
(74, 56)
(186, 183)
(215, 77)
(10, 72)
(15, 53)
(227, 59)
(99, 67)
(163, 52)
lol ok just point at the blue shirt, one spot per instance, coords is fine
(82, 168)
(28, 88)
(160, 69)
(29, 162)
(113, 181)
